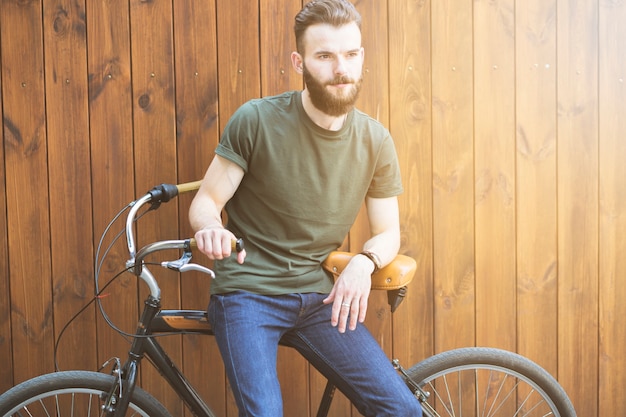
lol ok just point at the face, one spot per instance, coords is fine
(332, 66)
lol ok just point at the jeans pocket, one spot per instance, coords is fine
(215, 301)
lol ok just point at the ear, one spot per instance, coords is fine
(296, 61)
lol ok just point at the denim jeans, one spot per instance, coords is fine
(248, 328)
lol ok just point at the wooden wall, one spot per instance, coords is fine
(508, 117)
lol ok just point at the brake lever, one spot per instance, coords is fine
(183, 265)
(196, 267)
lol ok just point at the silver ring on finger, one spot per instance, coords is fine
(345, 305)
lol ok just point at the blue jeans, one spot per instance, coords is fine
(249, 326)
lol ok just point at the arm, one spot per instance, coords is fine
(384, 221)
(219, 184)
(354, 284)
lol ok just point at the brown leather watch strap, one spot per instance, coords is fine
(374, 258)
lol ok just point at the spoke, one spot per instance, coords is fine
(510, 393)
(449, 396)
(460, 393)
(28, 412)
(89, 405)
(524, 403)
(441, 401)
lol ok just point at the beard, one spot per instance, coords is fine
(327, 102)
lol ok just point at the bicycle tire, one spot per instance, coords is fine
(481, 382)
(72, 393)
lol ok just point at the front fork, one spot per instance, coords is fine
(422, 396)
(116, 401)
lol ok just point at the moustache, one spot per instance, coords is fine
(343, 79)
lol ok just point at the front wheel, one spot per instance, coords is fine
(482, 382)
(72, 393)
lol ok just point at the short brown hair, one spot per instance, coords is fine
(332, 12)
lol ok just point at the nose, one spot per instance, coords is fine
(341, 67)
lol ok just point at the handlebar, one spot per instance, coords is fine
(157, 195)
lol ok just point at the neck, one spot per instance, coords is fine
(320, 118)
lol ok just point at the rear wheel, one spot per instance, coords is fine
(72, 393)
(481, 382)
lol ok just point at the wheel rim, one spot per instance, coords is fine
(68, 402)
(481, 390)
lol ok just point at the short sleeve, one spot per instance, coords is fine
(387, 181)
(237, 141)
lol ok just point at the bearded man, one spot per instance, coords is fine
(291, 172)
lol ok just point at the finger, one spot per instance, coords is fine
(225, 246)
(199, 241)
(354, 315)
(362, 309)
(330, 298)
(344, 315)
(241, 256)
(204, 243)
(334, 315)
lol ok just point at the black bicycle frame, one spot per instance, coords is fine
(145, 344)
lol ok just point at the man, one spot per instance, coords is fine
(292, 172)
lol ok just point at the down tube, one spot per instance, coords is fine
(176, 379)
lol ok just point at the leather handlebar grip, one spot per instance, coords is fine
(236, 245)
(188, 186)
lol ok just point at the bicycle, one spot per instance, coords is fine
(468, 381)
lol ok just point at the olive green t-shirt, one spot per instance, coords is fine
(301, 192)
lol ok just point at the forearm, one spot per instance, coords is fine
(384, 222)
(384, 245)
(204, 214)
(220, 182)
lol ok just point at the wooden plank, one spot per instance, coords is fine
(197, 136)
(238, 51)
(577, 54)
(410, 125)
(612, 183)
(108, 58)
(154, 122)
(494, 165)
(6, 377)
(453, 181)
(536, 181)
(276, 42)
(70, 179)
(26, 160)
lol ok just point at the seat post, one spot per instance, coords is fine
(327, 399)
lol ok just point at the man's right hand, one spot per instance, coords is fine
(216, 243)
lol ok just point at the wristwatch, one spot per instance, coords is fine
(374, 258)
